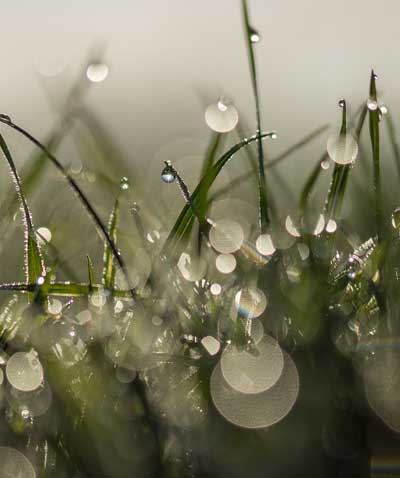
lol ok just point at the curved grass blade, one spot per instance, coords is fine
(74, 186)
(187, 216)
(90, 270)
(262, 187)
(34, 266)
(108, 258)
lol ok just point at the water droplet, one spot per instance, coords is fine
(215, 289)
(24, 371)
(250, 302)
(331, 226)
(342, 148)
(383, 109)
(396, 218)
(342, 103)
(192, 268)
(211, 344)
(255, 37)
(372, 104)
(5, 118)
(55, 307)
(274, 135)
(291, 227)
(168, 174)
(124, 184)
(97, 72)
(325, 163)
(222, 116)
(225, 263)
(374, 76)
(226, 236)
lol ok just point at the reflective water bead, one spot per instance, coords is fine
(124, 183)
(168, 174)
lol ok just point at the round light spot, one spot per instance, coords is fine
(192, 268)
(24, 371)
(258, 410)
(342, 149)
(30, 404)
(97, 72)
(252, 371)
(221, 117)
(211, 344)
(225, 263)
(291, 227)
(250, 302)
(396, 218)
(54, 307)
(372, 104)
(226, 236)
(264, 245)
(13, 464)
(319, 226)
(125, 375)
(331, 226)
(215, 289)
(43, 235)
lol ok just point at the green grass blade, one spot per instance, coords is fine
(393, 140)
(108, 257)
(90, 270)
(34, 266)
(262, 186)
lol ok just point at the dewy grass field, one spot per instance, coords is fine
(239, 340)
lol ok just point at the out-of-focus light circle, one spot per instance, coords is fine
(291, 227)
(97, 72)
(98, 299)
(211, 344)
(325, 164)
(125, 375)
(342, 149)
(258, 410)
(24, 371)
(331, 226)
(221, 117)
(44, 235)
(372, 104)
(252, 371)
(32, 404)
(13, 464)
(264, 245)
(226, 236)
(215, 289)
(250, 302)
(54, 307)
(192, 268)
(225, 263)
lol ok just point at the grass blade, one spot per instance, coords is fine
(34, 266)
(90, 270)
(108, 258)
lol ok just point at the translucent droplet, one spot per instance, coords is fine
(331, 226)
(54, 307)
(97, 72)
(13, 464)
(24, 371)
(222, 117)
(383, 109)
(342, 103)
(325, 163)
(226, 236)
(342, 148)
(254, 35)
(211, 344)
(291, 228)
(257, 410)
(192, 268)
(30, 404)
(250, 302)
(396, 218)
(264, 245)
(372, 104)
(168, 174)
(43, 235)
(225, 263)
(83, 317)
(274, 135)
(249, 372)
(215, 289)
(124, 183)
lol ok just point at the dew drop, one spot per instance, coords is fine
(255, 37)
(222, 116)
(14, 464)
(274, 135)
(97, 72)
(168, 174)
(215, 289)
(124, 184)
(325, 164)
(396, 218)
(331, 226)
(342, 103)
(372, 104)
(226, 236)
(43, 235)
(383, 109)
(342, 148)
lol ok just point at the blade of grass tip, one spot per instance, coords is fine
(34, 266)
(108, 258)
(74, 186)
(374, 135)
(90, 271)
(393, 140)
(253, 37)
(174, 238)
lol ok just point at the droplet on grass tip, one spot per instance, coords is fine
(124, 183)
(342, 148)
(168, 174)
(24, 371)
(222, 116)
(383, 109)
(225, 263)
(325, 164)
(54, 307)
(13, 464)
(97, 72)
(254, 36)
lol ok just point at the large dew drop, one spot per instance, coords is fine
(253, 371)
(13, 464)
(24, 371)
(342, 148)
(221, 117)
(258, 410)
